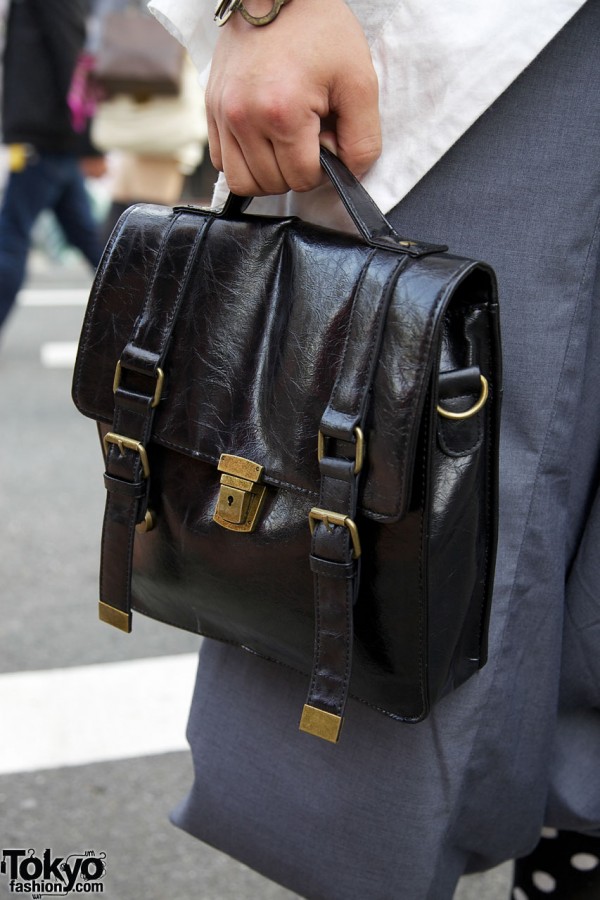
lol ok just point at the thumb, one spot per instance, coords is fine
(358, 129)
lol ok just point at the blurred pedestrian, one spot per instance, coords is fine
(143, 178)
(153, 140)
(42, 42)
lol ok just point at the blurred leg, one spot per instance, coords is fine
(73, 210)
(27, 194)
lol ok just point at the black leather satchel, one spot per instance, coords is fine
(300, 431)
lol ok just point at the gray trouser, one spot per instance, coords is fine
(398, 812)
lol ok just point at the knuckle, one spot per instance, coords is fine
(272, 111)
(235, 111)
(276, 113)
(304, 181)
(278, 110)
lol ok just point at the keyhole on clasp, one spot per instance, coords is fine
(230, 500)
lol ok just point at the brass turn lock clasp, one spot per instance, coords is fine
(240, 496)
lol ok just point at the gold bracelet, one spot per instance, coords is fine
(226, 8)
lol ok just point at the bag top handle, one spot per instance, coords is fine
(366, 215)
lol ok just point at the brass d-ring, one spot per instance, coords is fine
(473, 410)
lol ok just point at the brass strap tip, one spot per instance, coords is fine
(321, 724)
(115, 617)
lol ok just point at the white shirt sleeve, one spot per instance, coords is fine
(191, 22)
(440, 66)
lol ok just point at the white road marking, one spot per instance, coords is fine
(53, 297)
(86, 714)
(58, 354)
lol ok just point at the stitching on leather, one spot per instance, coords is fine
(422, 651)
(466, 451)
(203, 633)
(357, 292)
(95, 294)
(174, 308)
(490, 477)
(337, 575)
(374, 341)
(318, 675)
(426, 346)
(348, 615)
(408, 427)
(270, 659)
(383, 308)
(349, 203)
(317, 650)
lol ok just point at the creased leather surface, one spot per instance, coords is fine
(256, 348)
(263, 399)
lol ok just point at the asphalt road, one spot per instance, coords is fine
(82, 770)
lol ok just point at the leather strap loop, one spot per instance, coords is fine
(135, 489)
(332, 569)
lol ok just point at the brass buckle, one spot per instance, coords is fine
(160, 379)
(241, 497)
(473, 410)
(147, 524)
(125, 443)
(360, 448)
(330, 518)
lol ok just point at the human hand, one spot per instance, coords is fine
(276, 92)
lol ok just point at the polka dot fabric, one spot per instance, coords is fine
(565, 865)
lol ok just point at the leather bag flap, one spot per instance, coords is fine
(256, 347)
